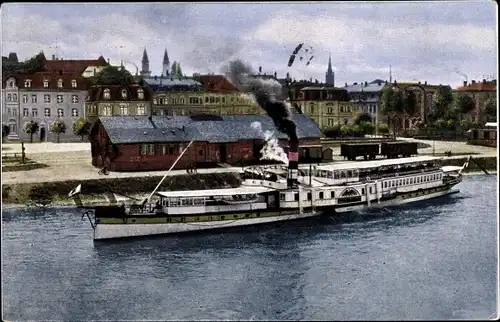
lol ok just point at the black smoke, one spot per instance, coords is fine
(267, 93)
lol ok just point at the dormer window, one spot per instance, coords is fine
(107, 94)
(27, 83)
(12, 83)
(59, 83)
(124, 93)
(73, 83)
(140, 94)
(45, 83)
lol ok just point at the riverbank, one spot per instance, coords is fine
(122, 189)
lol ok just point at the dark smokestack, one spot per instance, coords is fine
(268, 94)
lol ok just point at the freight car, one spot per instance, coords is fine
(366, 150)
(395, 149)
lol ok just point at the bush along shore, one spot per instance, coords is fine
(96, 191)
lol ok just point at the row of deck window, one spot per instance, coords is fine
(408, 181)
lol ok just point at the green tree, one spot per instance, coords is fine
(443, 99)
(392, 103)
(333, 131)
(5, 131)
(490, 108)
(58, 127)
(362, 117)
(34, 64)
(382, 128)
(81, 127)
(31, 128)
(176, 69)
(111, 75)
(410, 105)
(465, 103)
(366, 128)
(173, 68)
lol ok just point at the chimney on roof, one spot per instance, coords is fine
(395, 82)
(418, 82)
(465, 83)
(275, 75)
(484, 81)
(366, 84)
(53, 57)
(473, 81)
(425, 83)
(345, 85)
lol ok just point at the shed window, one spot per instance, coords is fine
(147, 149)
(309, 196)
(296, 196)
(321, 195)
(332, 194)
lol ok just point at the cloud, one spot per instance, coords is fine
(424, 41)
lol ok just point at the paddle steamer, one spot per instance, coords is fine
(277, 193)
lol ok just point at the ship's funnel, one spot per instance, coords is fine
(293, 164)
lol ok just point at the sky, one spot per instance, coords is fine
(437, 42)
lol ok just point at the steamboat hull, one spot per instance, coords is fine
(140, 226)
(127, 230)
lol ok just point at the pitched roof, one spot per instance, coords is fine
(96, 93)
(478, 87)
(166, 84)
(37, 80)
(72, 65)
(135, 129)
(369, 87)
(216, 83)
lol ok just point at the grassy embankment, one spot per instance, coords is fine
(56, 193)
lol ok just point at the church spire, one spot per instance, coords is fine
(330, 75)
(145, 64)
(166, 63)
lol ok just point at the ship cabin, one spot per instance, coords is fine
(352, 172)
(213, 201)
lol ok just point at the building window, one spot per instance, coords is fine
(14, 112)
(107, 94)
(141, 110)
(148, 149)
(46, 112)
(124, 93)
(46, 98)
(34, 112)
(33, 98)
(9, 97)
(26, 112)
(60, 112)
(27, 83)
(140, 94)
(11, 84)
(45, 83)
(123, 110)
(59, 98)
(321, 195)
(14, 97)
(73, 83)
(74, 112)
(25, 98)
(107, 110)
(74, 98)
(60, 83)
(155, 102)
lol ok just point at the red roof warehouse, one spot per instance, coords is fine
(131, 143)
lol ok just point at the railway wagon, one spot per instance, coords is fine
(353, 150)
(396, 149)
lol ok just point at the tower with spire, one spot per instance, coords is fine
(166, 64)
(145, 64)
(330, 75)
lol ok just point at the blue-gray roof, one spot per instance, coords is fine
(159, 84)
(140, 129)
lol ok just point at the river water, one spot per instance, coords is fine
(435, 260)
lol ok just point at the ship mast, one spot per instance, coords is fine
(145, 200)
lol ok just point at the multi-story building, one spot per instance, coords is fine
(117, 100)
(56, 92)
(480, 93)
(326, 105)
(366, 97)
(43, 97)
